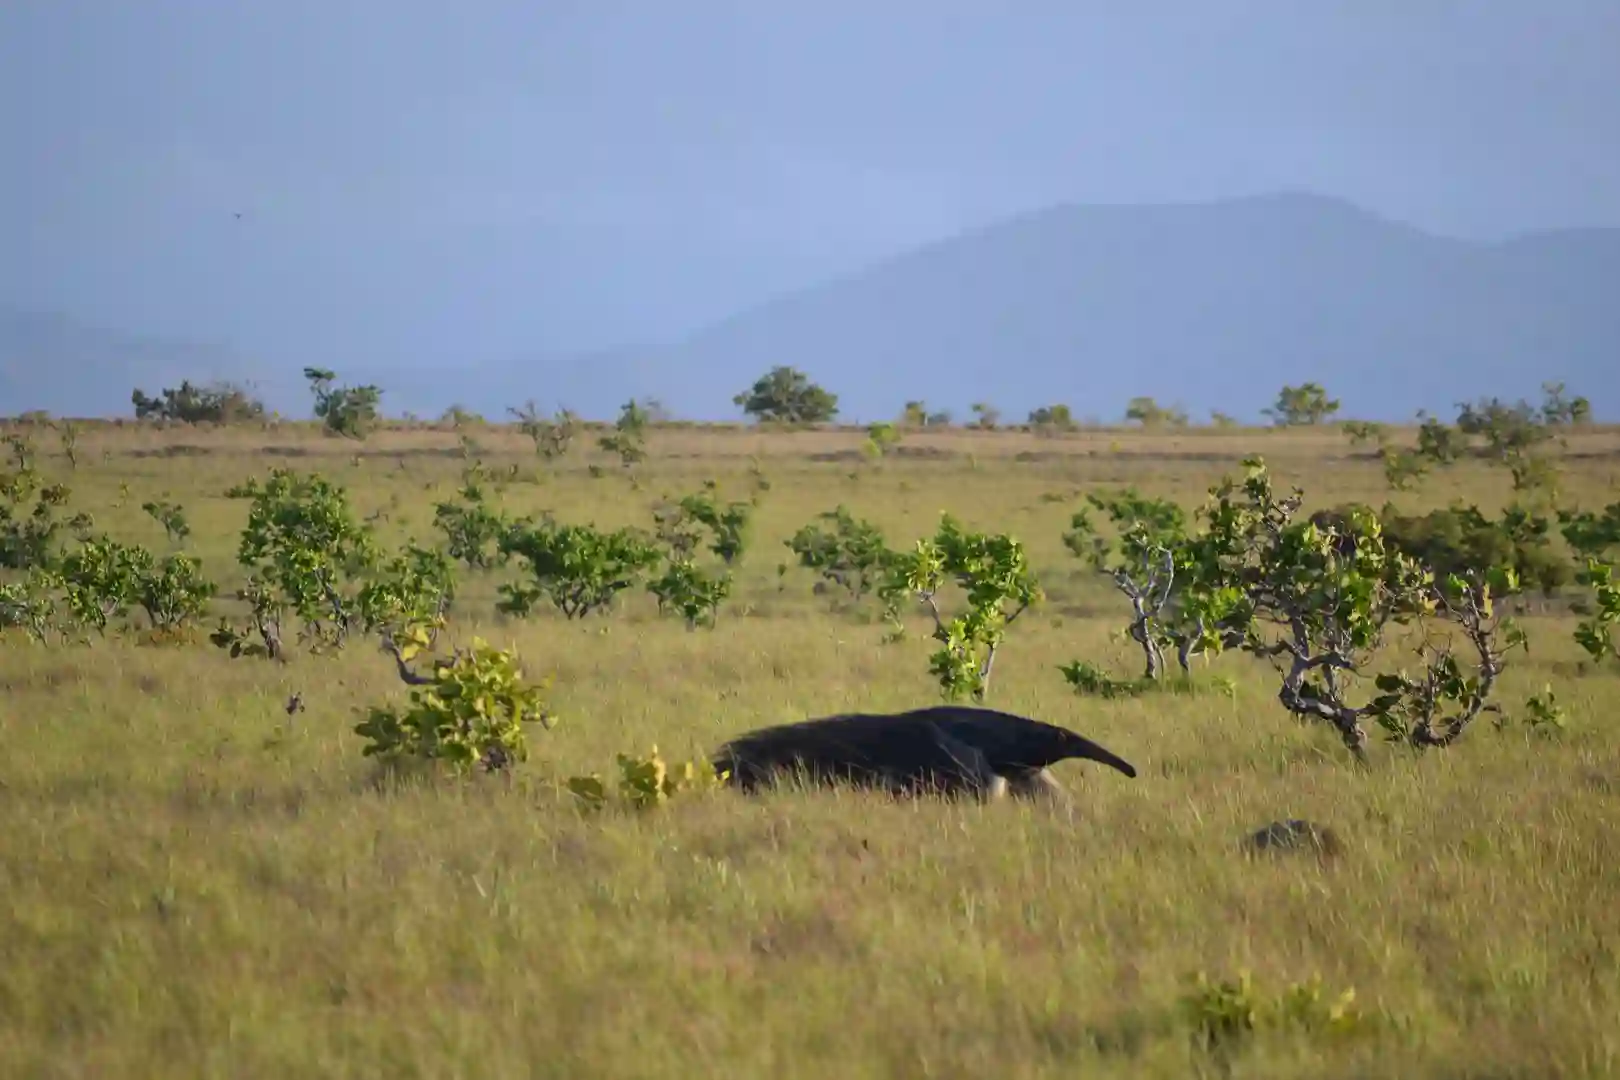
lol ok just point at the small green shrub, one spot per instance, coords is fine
(173, 593)
(30, 605)
(1543, 713)
(994, 576)
(578, 568)
(1092, 681)
(1227, 1013)
(349, 411)
(30, 511)
(1364, 433)
(852, 555)
(1591, 535)
(647, 781)
(1595, 634)
(1150, 551)
(688, 587)
(306, 555)
(102, 580)
(880, 437)
(471, 527)
(691, 591)
(628, 439)
(1402, 468)
(413, 588)
(1458, 539)
(99, 580)
(470, 712)
(552, 438)
(171, 516)
(217, 403)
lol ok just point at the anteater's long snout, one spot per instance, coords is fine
(1090, 751)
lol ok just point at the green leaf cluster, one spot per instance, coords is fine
(646, 781)
(102, 579)
(994, 574)
(30, 511)
(472, 528)
(472, 712)
(1595, 634)
(687, 586)
(348, 411)
(580, 569)
(852, 554)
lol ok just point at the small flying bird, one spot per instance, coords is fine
(295, 704)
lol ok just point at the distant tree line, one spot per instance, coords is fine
(787, 397)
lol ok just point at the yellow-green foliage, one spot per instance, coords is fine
(1229, 1010)
(473, 711)
(646, 781)
(198, 884)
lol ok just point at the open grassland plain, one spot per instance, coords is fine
(198, 884)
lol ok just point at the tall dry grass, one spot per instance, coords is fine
(199, 885)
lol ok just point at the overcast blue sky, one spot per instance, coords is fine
(424, 181)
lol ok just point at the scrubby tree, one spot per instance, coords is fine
(1508, 431)
(458, 416)
(1439, 442)
(851, 554)
(1515, 436)
(786, 395)
(690, 586)
(1150, 414)
(992, 573)
(67, 433)
(1297, 406)
(1558, 409)
(472, 527)
(1596, 633)
(1321, 602)
(311, 559)
(216, 403)
(879, 438)
(580, 569)
(1592, 534)
(917, 415)
(1148, 554)
(102, 579)
(349, 411)
(1052, 419)
(471, 711)
(1459, 539)
(628, 439)
(552, 437)
(1595, 538)
(1365, 433)
(30, 511)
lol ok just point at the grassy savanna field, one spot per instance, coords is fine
(197, 885)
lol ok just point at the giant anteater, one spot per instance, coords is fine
(945, 749)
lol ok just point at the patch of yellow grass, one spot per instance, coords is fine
(198, 885)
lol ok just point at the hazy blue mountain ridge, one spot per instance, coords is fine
(1213, 306)
(1210, 306)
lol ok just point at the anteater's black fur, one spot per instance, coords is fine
(948, 749)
